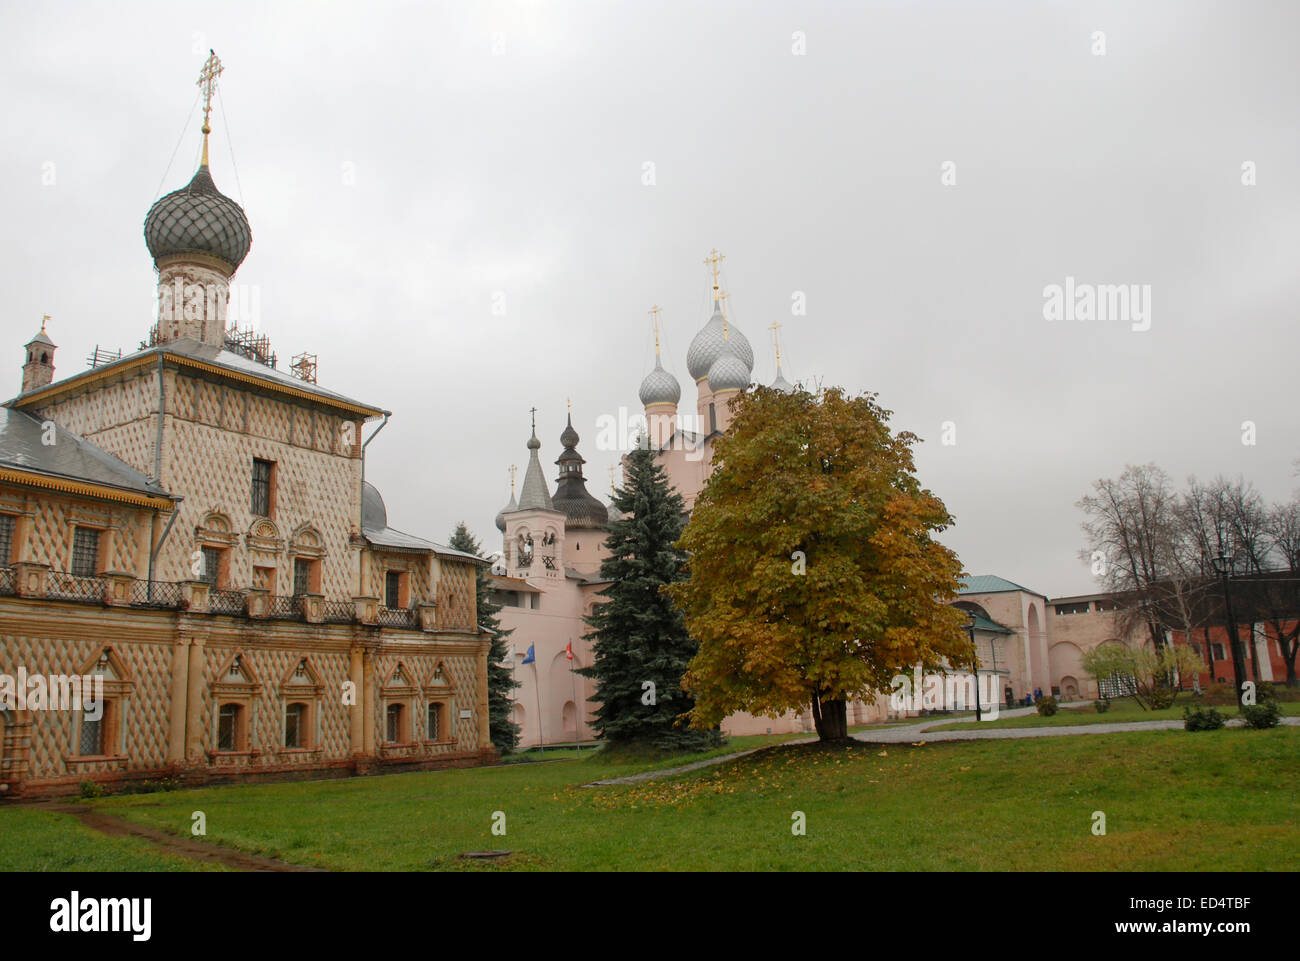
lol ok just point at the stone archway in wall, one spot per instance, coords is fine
(569, 722)
(562, 693)
(1066, 661)
(1038, 670)
(519, 716)
(1069, 687)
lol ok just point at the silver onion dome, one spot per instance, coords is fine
(728, 372)
(501, 514)
(659, 387)
(715, 338)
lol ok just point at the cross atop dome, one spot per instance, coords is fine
(212, 69)
(712, 261)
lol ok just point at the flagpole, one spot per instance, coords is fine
(577, 722)
(541, 731)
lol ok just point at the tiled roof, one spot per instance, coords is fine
(70, 457)
(220, 358)
(991, 584)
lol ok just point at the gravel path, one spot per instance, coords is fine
(911, 733)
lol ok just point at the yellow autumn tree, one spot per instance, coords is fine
(814, 573)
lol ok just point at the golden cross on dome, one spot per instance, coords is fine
(654, 314)
(776, 340)
(569, 402)
(212, 69)
(713, 260)
(44, 320)
(513, 468)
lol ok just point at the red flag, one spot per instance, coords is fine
(568, 650)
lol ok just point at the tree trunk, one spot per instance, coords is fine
(832, 719)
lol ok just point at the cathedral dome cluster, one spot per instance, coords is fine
(715, 340)
(198, 219)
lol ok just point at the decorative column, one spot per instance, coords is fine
(356, 711)
(368, 702)
(484, 728)
(178, 710)
(194, 707)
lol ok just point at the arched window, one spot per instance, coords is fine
(44, 357)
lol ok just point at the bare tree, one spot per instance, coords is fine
(1282, 525)
(1133, 523)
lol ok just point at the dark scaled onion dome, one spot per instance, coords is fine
(581, 510)
(200, 219)
(659, 387)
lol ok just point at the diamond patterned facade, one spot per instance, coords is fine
(294, 613)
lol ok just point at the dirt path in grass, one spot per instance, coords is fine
(185, 847)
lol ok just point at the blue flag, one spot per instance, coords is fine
(529, 657)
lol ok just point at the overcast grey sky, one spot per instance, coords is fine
(402, 164)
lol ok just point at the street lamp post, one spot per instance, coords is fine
(1223, 565)
(970, 630)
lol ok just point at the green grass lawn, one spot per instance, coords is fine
(1215, 800)
(36, 840)
(1122, 710)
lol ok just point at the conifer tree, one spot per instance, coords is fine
(639, 637)
(503, 731)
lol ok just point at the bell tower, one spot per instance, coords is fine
(39, 367)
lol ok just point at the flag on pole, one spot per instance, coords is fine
(529, 657)
(568, 650)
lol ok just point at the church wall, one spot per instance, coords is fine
(117, 414)
(211, 433)
(40, 753)
(555, 623)
(50, 518)
(314, 486)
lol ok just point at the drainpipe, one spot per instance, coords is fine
(153, 555)
(366, 443)
(157, 477)
(361, 555)
(162, 410)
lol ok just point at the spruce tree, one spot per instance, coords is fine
(638, 635)
(503, 731)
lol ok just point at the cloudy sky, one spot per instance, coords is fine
(918, 172)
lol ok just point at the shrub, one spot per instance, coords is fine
(1047, 706)
(151, 786)
(1217, 693)
(1202, 719)
(1102, 705)
(1264, 692)
(1260, 716)
(92, 789)
(1161, 698)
